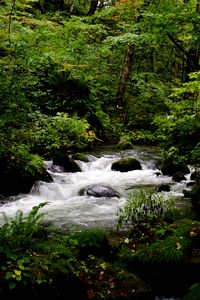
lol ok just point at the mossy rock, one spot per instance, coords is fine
(193, 293)
(16, 178)
(124, 145)
(80, 156)
(62, 159)
(126, 164)
(170, 167)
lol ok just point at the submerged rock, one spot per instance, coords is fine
(164, 188)
(57, 169)
(97, 190)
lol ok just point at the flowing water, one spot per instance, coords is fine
(66, 209)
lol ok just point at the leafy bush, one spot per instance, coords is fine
(51, 133)
(146, 137)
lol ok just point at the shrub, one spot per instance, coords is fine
(143, 206)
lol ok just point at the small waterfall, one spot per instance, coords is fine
(65, 208)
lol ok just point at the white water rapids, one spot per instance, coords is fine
(65, 208)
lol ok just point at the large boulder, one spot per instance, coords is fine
(80, 156)
(61, 158)
(17, 178)
(126, 164)
(97, 190)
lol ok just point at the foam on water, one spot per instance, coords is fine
(66, 207)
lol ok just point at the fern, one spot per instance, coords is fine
(18, 232)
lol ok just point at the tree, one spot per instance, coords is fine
(124, 77)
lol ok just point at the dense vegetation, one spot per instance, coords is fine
(72, 72)
(75, 74)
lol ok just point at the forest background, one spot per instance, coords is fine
(78, 72)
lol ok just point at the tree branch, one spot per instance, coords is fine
(176, 43)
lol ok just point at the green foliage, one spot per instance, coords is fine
(195, 155)
(143, 206)
(170, 250)
(151, 238)
(162, 243)
(32, 255)
(145, 100)
(50, 133)
(179, 131)
(92, 241)
(19, 232)
(193, 292)
(16, 239)
(145, 137)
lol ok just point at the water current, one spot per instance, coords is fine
(68, 210)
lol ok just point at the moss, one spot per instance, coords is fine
(80, 156)
(193, 293)
(124, 145)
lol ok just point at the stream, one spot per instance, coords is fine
(68, 210)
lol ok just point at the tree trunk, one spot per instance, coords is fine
(191, 56)
(93, 7)
(10, 20)
(128, 62)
